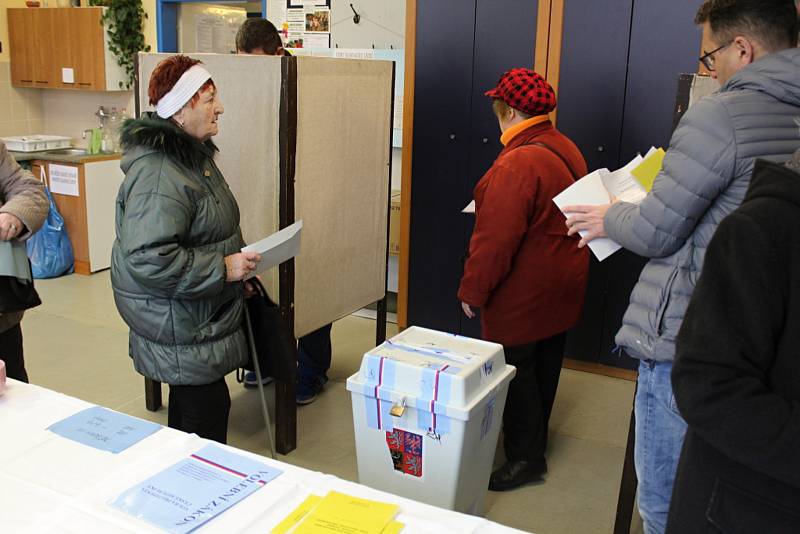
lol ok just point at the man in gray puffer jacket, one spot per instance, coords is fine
(706, 172)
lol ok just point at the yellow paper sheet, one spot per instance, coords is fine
(297, 515)
(647, 170)
(345, 514)
(395, 527)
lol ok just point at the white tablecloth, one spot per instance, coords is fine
(54, 485)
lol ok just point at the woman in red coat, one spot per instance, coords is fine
(523, 271)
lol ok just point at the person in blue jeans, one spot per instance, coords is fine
(749, 47)
(258, 36)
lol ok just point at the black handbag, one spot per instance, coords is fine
(273, 342)
(17, 295)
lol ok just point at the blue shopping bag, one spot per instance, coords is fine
(49, 249)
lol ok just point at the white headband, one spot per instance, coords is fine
(183, 91)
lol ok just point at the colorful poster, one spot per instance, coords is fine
(195, 490)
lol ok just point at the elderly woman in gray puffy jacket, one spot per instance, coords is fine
(176, 267)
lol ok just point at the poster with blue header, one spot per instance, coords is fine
(195, 490)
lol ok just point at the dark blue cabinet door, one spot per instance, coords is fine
(665, 43)
(619, 73)
(591, 87)
(463, 47)
(442, 96)
(505, 37)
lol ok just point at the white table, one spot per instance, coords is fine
(54, 485)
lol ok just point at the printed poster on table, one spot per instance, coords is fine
(195, 490)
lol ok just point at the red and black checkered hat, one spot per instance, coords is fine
(526, 91)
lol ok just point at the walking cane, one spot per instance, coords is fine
(254, 355)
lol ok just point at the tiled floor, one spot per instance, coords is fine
(77, 344)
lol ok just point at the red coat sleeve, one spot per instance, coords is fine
(504, 207)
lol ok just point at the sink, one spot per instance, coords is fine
(69, 152)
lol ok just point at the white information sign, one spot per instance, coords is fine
(64, 180)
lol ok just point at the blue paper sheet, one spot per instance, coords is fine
(193, 491)
(104, 429)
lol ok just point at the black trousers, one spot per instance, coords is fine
(11, 353)
(530, 397)
(202, 410)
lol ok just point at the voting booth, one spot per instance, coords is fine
(427, 412)
(306, 138)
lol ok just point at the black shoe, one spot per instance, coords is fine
(515, 474)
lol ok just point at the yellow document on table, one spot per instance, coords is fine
(297, 515)
(395, 527)
(648, 169)
(345, 514)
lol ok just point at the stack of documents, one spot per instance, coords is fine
(338, 512)
(630, 183)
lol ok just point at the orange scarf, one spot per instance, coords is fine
(512, 131)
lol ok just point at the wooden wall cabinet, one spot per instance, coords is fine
(88, 217)
(46, 43)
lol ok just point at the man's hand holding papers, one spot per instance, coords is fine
(586, 202)
(588, 220)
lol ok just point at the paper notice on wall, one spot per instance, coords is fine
(64, 180)
(317, 40)
(317, 19)
(276, 12)
(302, 3)
(215, 29)
(397, 121)
(204, 34)
(355, 53)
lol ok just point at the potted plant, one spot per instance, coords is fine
(124, 20)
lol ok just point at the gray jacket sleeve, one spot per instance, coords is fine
(699, 165)
(21, 195)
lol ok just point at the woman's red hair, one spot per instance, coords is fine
(166, 75)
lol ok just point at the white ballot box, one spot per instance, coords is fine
(427, 411)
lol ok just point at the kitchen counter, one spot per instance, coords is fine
(49, 155)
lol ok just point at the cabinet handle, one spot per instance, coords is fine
(452, 137)
(485, 140)
(601, 148)
(84, 83)
(26, 81)
(42, 81)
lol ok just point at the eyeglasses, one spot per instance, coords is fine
(707, 59)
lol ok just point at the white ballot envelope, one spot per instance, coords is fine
(276, 248)
(589, 190)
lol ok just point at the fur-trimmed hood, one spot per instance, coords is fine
(151, 133)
